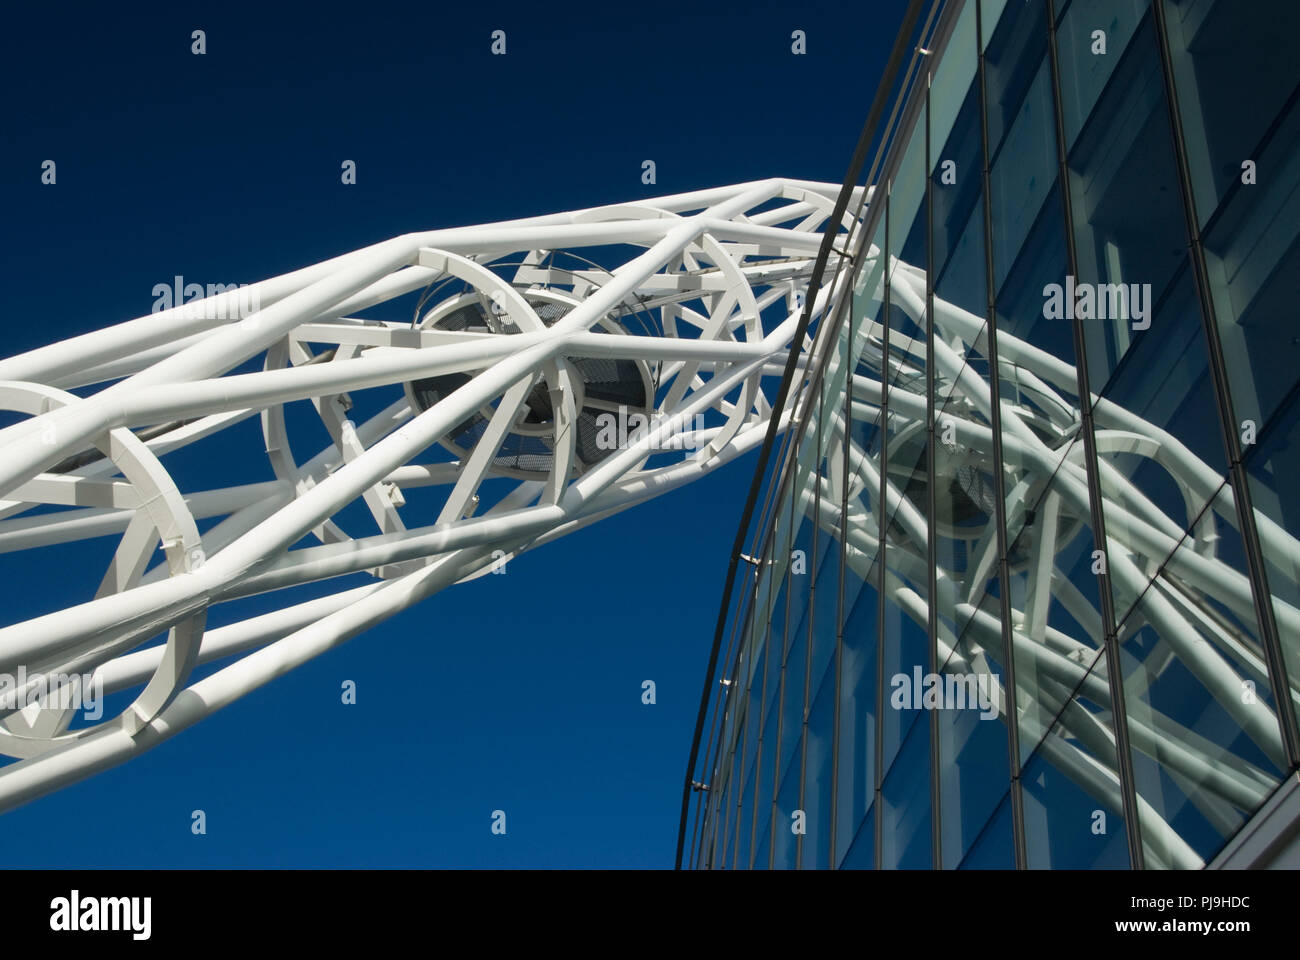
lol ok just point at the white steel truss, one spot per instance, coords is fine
(553, 371)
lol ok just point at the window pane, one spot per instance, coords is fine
(1088, 61)
(1015, 45)
(1225, 56)
(815, 847)
(856, 752)
(1207, 750)
(784, 839)
(1023, 172)
(1130, 232)
(862, 850)
(905, 831)
(1252, 256)
(1272, 469)
(1073, 810)
(973, 747)
(995, 847)
(1159, 439)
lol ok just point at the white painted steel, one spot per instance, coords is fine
(692, 330)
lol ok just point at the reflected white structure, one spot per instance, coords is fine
(1166, 564)
(464, 435)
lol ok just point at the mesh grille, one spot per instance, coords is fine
(587, 449)
(606, 380)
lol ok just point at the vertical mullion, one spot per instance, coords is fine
(739, 773)
(999, 477)
(768, 666)
(762, 713)
(882, 511)
(932, 543)
(1114, 668)
(841, 614)
(813, 567)
(781, 660)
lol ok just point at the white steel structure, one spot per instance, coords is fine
(516, 359)
(518, 354)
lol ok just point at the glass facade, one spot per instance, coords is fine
(1026, 590)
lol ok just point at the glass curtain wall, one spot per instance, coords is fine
(1029, 594)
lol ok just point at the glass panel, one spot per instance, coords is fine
(763, 849)
(793, 698)
(801, 554)
(745, 815)
(1159, 439)
(907, 647)
(1226, 54)
(826, 624)
(784, 838)
(994, 849)
(1272, 470)
(1252, 256)
(1054, 594)
(906, 273)
(765, 791)
(1015, 48)
(815, 846)
(973, 745)
(826, 586)
(1040, 261)
(1023, 173)
(1073, 811)
(726, 823)
(775, 647)
(955, 136)
(1130, 232)
(862, 851)
(965, 484)
(1088, 60)
(965, 518)
(905, 827)
(907, 551)
(786, 748)
(856, 750)
(749, 736)
(1207, 750)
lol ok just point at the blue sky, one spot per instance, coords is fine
(521, 692)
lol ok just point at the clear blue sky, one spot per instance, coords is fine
(520, 692)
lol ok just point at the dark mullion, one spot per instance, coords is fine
(999, 477)
(1114, 671)
(762, 722)
(740, 772)
(932, 539)
(781, 662)
(841, 614)
(746, 646)
(814, 476)
(882, 511)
